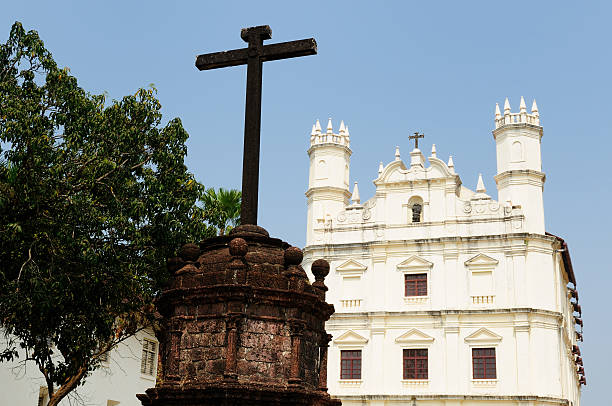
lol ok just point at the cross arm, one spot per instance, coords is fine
(222, 59)
(292, 49)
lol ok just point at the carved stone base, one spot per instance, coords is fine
(233, 394)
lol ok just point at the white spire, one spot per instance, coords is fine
(523, 107)
(318, 127)
(480, 188)
(397, 153)
(380, 168)
(433, 150)
(342, 129)
(506, 107)
(314, 130)
(346, 130)
(355, 196)
(330, 129)
(497, 112)
(450, 163)
(534, 109)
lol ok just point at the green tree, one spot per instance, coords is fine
(224, 208)
(94, 196)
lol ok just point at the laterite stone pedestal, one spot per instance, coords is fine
(242, 325)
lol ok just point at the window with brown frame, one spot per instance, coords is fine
(350, 367)
(415, 284)
(149, 357)
(483, 363)
(415, 363)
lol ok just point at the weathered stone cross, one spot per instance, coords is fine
(416, 137)
(254, 56)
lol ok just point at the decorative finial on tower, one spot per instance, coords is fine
(497, 112)
(480, 187)
(330, 129)
(355, 196)
(522, 106)
(450, 163)
(397, 153)
(433, 150)
(314, 130)
(318, 127)
(342, 129)
(380, 168)
(506, 107)
(534, 109)
(346, 131)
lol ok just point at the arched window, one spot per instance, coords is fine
(415, 209)
(346, 175)
(322, 169)
(516, 153)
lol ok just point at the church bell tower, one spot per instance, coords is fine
(520, 180)
(328, 180)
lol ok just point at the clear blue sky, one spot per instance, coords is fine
(387, 69)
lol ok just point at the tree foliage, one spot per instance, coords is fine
(94, 196)
(224, 208)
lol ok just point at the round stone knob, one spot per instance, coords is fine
(293, 256)
(238, 247)
(320, 269)
(190, 252)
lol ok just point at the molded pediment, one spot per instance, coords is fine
(350, 338)
(351, 267)
(414, 336)
(415, 262)
(481, 261)
(483, 335)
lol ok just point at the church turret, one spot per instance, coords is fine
(520, 180)
(328, 181)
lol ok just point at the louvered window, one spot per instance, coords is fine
(415, 284)
(149, 352)
(415, 363)
(483, 363)
(350, 364)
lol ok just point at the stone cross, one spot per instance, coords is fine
(416, 137)
(253, 56)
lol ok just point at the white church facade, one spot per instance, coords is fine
(443, 295)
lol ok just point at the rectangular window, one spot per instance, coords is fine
(415, 284)
(350, 367)
(149, 352)
(415, 364)
(483, 363)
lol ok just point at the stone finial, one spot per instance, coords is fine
(480, 188)
(433, 150)
(190, 252)
(293, 270)
(497, 111)
(238, 247)
(293, 256)
(522, 106)
(506, 107)
(397, 153)
(342, 129)
(534, 109)
(320, 269)
(330, 129)
(450, 163)
(314, 130)
(355, 196)
(318, 127)
(380, 168)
